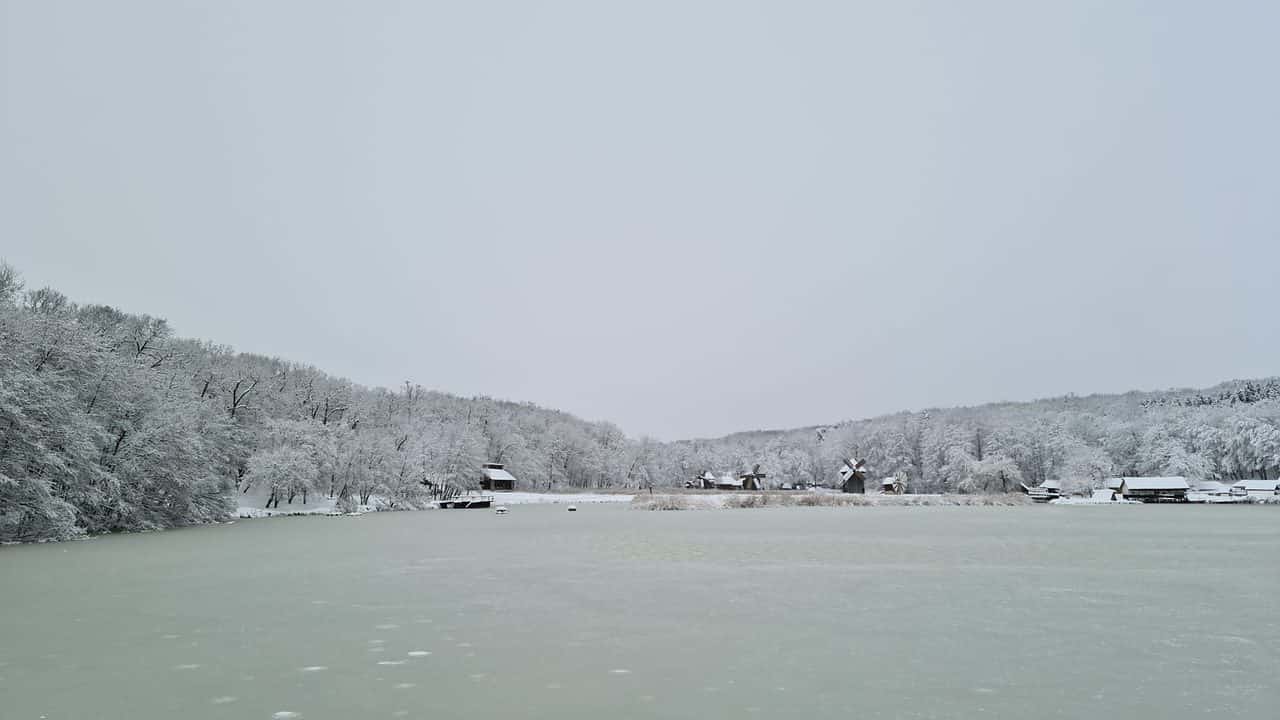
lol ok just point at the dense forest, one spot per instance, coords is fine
(110, 421)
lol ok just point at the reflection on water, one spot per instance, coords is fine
(1164, 612)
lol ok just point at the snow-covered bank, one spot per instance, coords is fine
(534, 498)
(721, 501)
(1091, 501)
(251, 506)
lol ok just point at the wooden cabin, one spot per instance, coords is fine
(1154, 489)
(1045, 491)
(1256, 488)
(495, 478)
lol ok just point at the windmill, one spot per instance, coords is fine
(853, 476)
(753, 480)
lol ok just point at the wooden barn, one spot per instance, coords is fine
(1154, 489)
(1256, 488)
(495, 478)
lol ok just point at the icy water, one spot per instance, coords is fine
(1031, 612)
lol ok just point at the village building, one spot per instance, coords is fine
(705, 481)
(495, 478)
(753, 480)
(728, 482)
(1211, 487)
(1256, 488)
(1045, 491)
(1104, 495)
(853, 476)
(1154, 489)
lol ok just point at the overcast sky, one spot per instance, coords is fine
(689, 218)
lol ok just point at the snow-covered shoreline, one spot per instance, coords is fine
(731, 500)
(328, 506)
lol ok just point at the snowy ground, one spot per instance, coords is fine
(252, 505)
(1091, 501)
(533, 498)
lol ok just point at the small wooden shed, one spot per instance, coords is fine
(495, 478)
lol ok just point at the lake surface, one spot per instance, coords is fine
(925, 612)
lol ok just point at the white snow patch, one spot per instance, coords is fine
(533, 498)
(223, 699)
(285, 715)
(620, 671)
(391, 662)
(314, 668)
(419, 653)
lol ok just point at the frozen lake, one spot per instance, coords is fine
(1029, 612)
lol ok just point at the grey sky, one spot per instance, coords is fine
(689, 218)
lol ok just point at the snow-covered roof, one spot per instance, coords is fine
(496, 474)
(1257, 485)
(1104, 494)
(1114, 483)
(1156, 483)
(1051, 484)
(726, 480)
(1211, 486)
(707, 476)
(889, 480)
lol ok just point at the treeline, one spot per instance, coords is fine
(1080, 441)
(109, 421)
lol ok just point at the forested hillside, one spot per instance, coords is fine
(110, 421)
(1230, 431)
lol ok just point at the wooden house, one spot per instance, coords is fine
(1256, 488)
(495, 478)
(1154, 489)
(728, 482)
(1045, 491)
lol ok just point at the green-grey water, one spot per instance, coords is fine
(924, 612)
